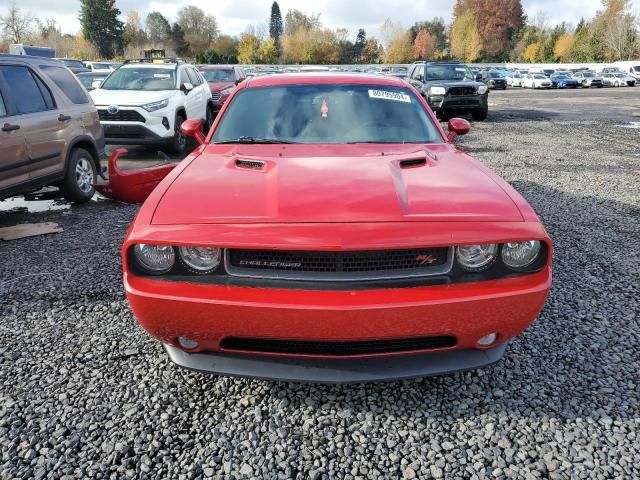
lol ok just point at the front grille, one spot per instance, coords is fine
(121, 116)
(462, 90)
(215, 96)
(337, 266)
(336, 349)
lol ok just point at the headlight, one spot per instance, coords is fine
(201, 260)
(153, 106)
(474, 258)
(482, 89)
(155, 259)
(227, 91)
(437, 91)
(520, 254)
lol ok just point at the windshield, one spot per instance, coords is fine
(326, 114)
(539, 77)
(215, 76)
(141, 78)
(494, 75)
(100, 66)
(73, 63)
(587, 74)
(636, 69)
(449, 72)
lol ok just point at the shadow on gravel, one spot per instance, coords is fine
(507, 115)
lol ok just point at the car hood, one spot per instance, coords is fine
(219, 86)
(127, 97)
(452, 83)
(330, 183)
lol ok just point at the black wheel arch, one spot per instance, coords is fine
(87, 143)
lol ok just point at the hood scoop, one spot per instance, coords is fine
(249, 164)
(413, 162)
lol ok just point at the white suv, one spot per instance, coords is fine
(143, 103)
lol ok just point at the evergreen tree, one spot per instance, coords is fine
(177, 35)
(157, 27)
(101, 27)
(358, 47)
(275, 24)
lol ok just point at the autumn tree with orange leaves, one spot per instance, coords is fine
(499, 22)
(424, 46)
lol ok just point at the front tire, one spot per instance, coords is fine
(179, 142)
(79, 182)
(208, 122)
(480, 115)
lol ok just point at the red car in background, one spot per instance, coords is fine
(328, 230)
(222, 81)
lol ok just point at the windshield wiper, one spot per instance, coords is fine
(253, 140)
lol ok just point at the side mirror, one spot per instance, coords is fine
(478, 77)
(193, 128)
(457, 126)
(419, 77)
(96, 83)
(187, 87)
(239, 81)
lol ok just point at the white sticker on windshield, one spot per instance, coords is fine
(385, 95)
(161, 75)
(460, 69)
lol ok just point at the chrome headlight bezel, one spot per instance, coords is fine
(476, 257)
(193, 258)
(437, 91)
(143, 254)
(535, 249)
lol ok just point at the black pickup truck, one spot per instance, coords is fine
(450, 89)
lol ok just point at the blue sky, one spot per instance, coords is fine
(235, 15)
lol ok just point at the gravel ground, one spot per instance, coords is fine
(85, 394)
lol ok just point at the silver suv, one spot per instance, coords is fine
(50, 132)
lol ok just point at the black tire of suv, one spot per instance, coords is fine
(210, 117)
(179, 142)
(81, 169)
(480, 115)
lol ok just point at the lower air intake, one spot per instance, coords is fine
(336, 349)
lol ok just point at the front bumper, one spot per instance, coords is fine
(211, 313)
(154, 128)
(458, 103)
(132, 134)
(337, 371)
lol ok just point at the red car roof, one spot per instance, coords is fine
(324, 78)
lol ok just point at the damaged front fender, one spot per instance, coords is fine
(132, 185)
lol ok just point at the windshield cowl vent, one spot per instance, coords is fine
(413, 162)
(250, 164)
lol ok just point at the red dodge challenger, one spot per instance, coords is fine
(328, 230)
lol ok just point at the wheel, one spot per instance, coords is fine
(179, 142)
(79, 181)
(209, 120)
(480, 115)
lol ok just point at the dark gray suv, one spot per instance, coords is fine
(50, 132)
(450, 89)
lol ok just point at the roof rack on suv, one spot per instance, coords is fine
(441, 62)
(168, 60)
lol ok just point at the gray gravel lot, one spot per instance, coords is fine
(84, 393)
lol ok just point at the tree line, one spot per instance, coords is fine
(481, 31)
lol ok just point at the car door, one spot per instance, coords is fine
(73, 113)
(14, 157)
(190, 102)
(201, 91)
(38, 118)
